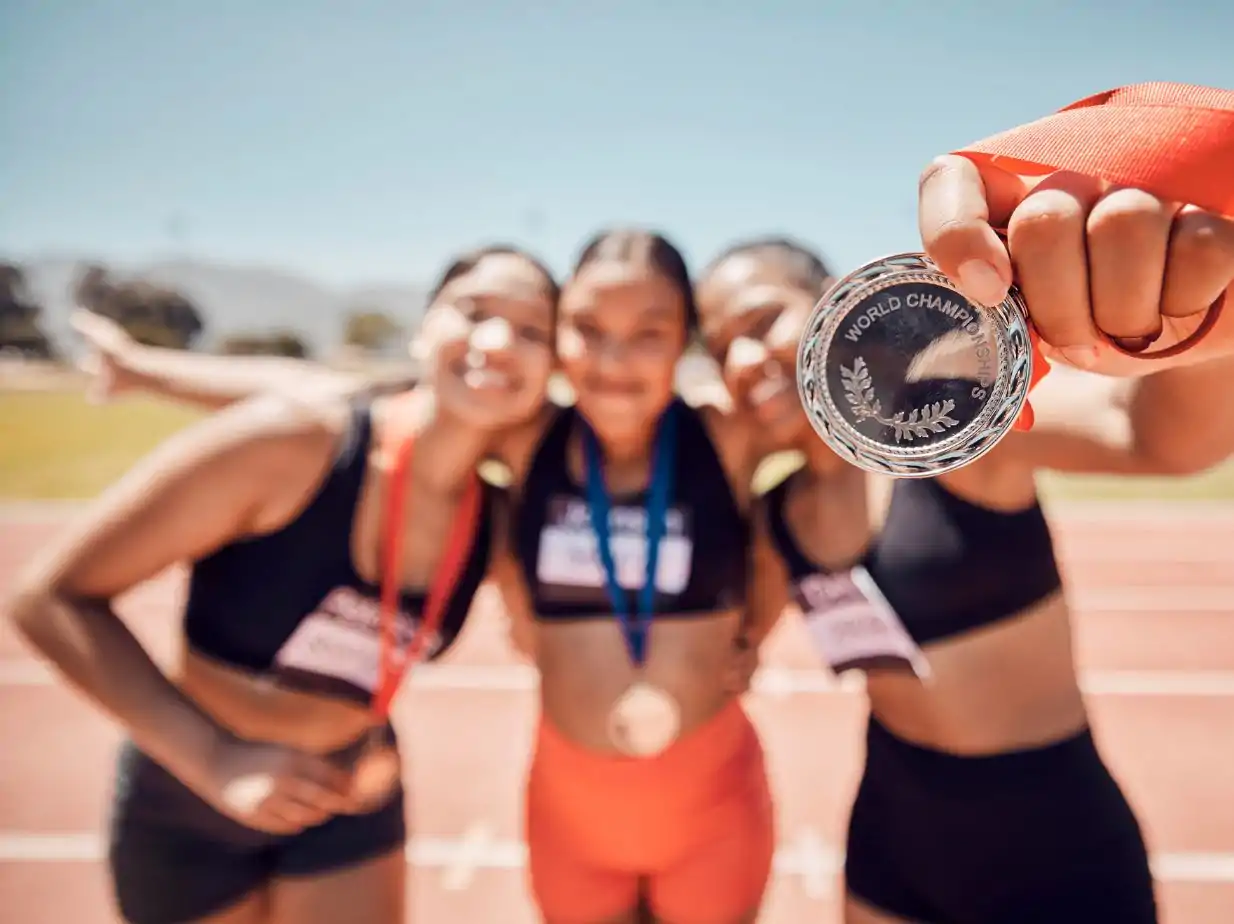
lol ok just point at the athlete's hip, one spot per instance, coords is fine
(711, 777)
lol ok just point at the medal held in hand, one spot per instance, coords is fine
(646, 719)
(376, 772)
(900, 374)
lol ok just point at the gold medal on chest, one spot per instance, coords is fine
(644, 721)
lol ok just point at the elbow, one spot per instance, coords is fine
(27, 611)
(1175, 454)
(1177, 465)
(1188, 467)
(1196, 466)
(35, 609)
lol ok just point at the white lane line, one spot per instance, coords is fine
(20, 512)
(476, 843)
(774, 682)
(1194, 867)
(1179, 513)
(1164, 602)
(807, 857)
(812, 860)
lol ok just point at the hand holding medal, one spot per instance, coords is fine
(646, 718)
(1117, 214)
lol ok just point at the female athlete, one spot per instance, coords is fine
(260, 782)
(983, 797)
(631, 554)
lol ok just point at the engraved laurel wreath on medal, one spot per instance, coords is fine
(901, 375)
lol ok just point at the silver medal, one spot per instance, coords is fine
(901, 375)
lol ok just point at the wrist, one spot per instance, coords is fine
(185, 741)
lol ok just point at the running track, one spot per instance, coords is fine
(1154, 588)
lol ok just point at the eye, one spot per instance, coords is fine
(651, 335)
(589, 330)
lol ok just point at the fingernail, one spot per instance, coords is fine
(980, 283)
(1082, 357)
(1136, 344)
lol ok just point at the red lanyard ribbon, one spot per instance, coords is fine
(1173, 140)
(395, 660)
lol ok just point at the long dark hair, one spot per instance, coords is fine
(805, 267)
(466, 262)
(656, 249)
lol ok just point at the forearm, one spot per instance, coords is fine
(96, 652)
(214, 382)
(1103, 444)
(767, 592)
(1182, 420)
(1176, 422)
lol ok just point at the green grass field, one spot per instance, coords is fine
(56, 446)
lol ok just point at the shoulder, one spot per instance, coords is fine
(736, 444)
(278, 422)
(285, 445)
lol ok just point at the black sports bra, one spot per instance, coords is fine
(703, 553)
(945, 566)
(266, 602)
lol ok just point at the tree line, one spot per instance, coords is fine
(159, 316)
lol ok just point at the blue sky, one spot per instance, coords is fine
(367, 141)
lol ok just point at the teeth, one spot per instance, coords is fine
(486, 378)
(767, 389)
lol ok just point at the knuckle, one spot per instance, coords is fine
(1201, 239)
(1129, 214)
(1044, 217)
(1085, 189)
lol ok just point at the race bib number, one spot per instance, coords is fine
(569, 553)
(854, 627)
(336, 649)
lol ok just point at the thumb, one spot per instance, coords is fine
(958, 208)
(101, 333)
(86, 323)
(101, 385)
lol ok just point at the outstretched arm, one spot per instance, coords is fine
(1179, 421)
(119, 364)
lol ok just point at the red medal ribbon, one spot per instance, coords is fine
(395, 661)
(1173, 140)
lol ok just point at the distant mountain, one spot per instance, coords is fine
(233, 298)
(242, 298)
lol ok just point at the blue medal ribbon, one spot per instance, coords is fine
(635, 627)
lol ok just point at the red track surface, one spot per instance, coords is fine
(1155, 596)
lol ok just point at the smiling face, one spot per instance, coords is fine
(753, 308)
(487, 338)
(621, 330)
